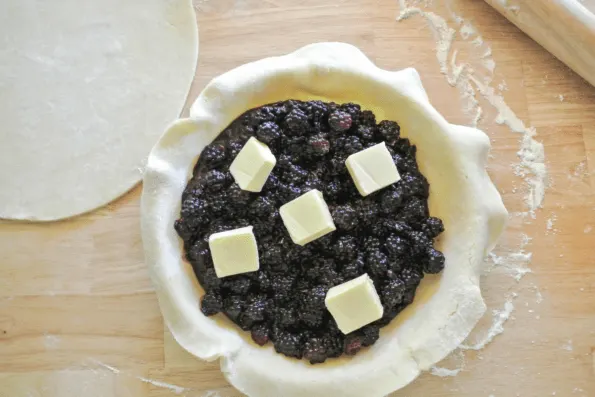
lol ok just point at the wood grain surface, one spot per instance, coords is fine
(566, 28)
(78, 314)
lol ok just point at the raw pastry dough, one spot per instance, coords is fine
(453, 158)
(86, 88)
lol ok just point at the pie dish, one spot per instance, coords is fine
(453, 159)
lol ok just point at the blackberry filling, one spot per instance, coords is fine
(388, 234)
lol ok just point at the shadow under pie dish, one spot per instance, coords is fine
(452, 158)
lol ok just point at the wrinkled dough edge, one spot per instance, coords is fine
(446, 307)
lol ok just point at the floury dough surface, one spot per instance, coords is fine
(86, 88)
(453, 158)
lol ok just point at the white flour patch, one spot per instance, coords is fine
(500, 318)
(164, 385)
(444, 372)
(176, 389)
(51, 341)
(588, 229)
(568, 345)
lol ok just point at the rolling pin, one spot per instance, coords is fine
(566, 28)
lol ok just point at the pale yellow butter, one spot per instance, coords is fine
(307, 217)
(354, 304)
(372, 169)
(234, 252)
(253, 165)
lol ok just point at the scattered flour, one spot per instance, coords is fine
(175, 388)
(587, 229)
(568, 345)
(500, 318)
(444, 372)
(51, 341)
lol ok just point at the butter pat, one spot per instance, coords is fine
(307, 217)
(234, 252)
(372, 169)
(253, 165)
(354, 304)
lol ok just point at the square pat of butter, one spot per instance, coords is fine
(372, 169)
(234, 252)
(354, 304)
(253, 165)
(307, 217)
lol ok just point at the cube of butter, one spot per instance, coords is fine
(307, 217)
(234, 252)
(372, 169)
(253, 165)
(354, 304)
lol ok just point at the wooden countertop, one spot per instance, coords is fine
(78, 314)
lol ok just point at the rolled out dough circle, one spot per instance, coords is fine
(86, 89)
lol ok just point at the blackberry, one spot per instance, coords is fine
(253, 314)
(260, 334)
(262, 207)
(420, 243)
(345, 248)
(365, 132)
(195, 208)
(211, 304)
(371, 244)
(234, 148)
(353, 109)
(333, 344)
(415, 210)
(337, 165)
(315, 350)
(392, 292)
(435, 261)
(377, 263)
(237, 284)
(404, 164)
(233, 306)
(282, 286)
(397, 247)
(367, 118)
(353, 344)
(370, 334)
(319, 145)
(295, 175)
(297, 122)
(211, 281)
(410, 277)
(288, 344)
(263, 281)
(391, 200)
(286, 317)
(288, 192)
(354, 268)
(415, 185)
(236, 197)
(398, 227)
(352, 145)
(199, 251)
(214, 154)
(329, 277)
(345, 217)
(389, 130)
(185, 229)
(332, 191)
(215, 180)
(368, 212)
(258, 116)
(433, 227)
(273, 258)
(271, 184)
(268, 132)
(340, 121)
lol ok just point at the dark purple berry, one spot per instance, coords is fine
(319, 145)
(392, 292)
(268, 132)
(214, 154)
(260, 334)
(211, 304)
(435, 261)
(353, 344)
(297, 122)
(345, 217)
(389, 130)
(340, 121)
(315, 350)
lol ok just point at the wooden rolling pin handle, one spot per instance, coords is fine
(563, 27)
